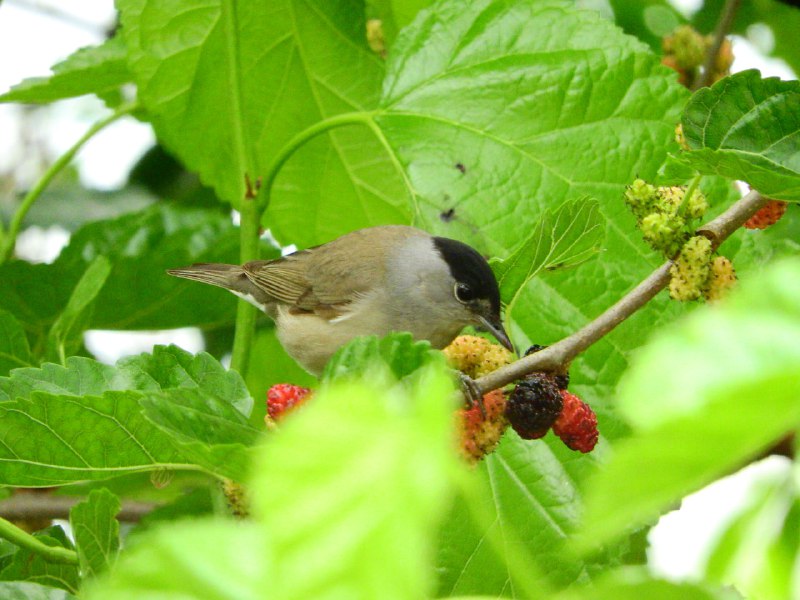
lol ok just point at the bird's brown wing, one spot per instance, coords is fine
(326, 278)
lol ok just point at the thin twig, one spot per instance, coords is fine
(723, 28)
(557, 356)
(32, 507)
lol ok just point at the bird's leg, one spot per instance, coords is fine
(472, 393)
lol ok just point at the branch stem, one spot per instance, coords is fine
(23, 539)
(31, 507)
(557, 356)
(10, 239)
(245, 312)
(723, 28)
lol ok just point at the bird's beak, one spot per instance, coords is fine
(495, 327)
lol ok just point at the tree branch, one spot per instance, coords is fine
(723, 27)
(558, 356)
(31, 507)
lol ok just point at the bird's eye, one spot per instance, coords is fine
(464, 292)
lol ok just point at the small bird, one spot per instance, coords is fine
(369, 282)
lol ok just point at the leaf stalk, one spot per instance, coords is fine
(23, 539)
(9, 241)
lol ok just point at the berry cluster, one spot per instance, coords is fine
(685, 51)
(541, 401)
(768, 215)
(537, 404)
(664, 214)
(476, 356)
(282, 398)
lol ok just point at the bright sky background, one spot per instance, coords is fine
(34, 34)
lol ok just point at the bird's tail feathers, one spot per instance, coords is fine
(230, 277)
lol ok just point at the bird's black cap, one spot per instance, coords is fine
(469, 267)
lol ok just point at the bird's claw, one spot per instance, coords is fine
(472, 393)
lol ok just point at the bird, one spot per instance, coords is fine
(371, 281)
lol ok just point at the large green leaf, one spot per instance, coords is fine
(26, 565)
(535, 505)
(748, 128)
(97, 70)
(170, 367)
(198, 559)
(228, 84)
(368, 517)
(504, 110)
(138, 294)
(499, 112)
(345, 505)
(87, 420)
(49, 439)
(14, 349)
(715, 391)
(207, 430)
(96, 531)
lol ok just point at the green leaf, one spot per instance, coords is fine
(202, 560)
(138, 293)
(564, 237)
(170, 367)
(716, 390)
(58, 423)
(329, 518)
(66, 334)
(207, 430)
(14, 349)
(649, 20)
(745, 127)
(97, 70)
(398, 351)
(535, 504)
(31, 591)
(29, 566)
(539, 118)
(531, 104)
(96, 531)
(50, 439)
(366, 518)
(226, 102)
(638, 583)
(758, 549)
